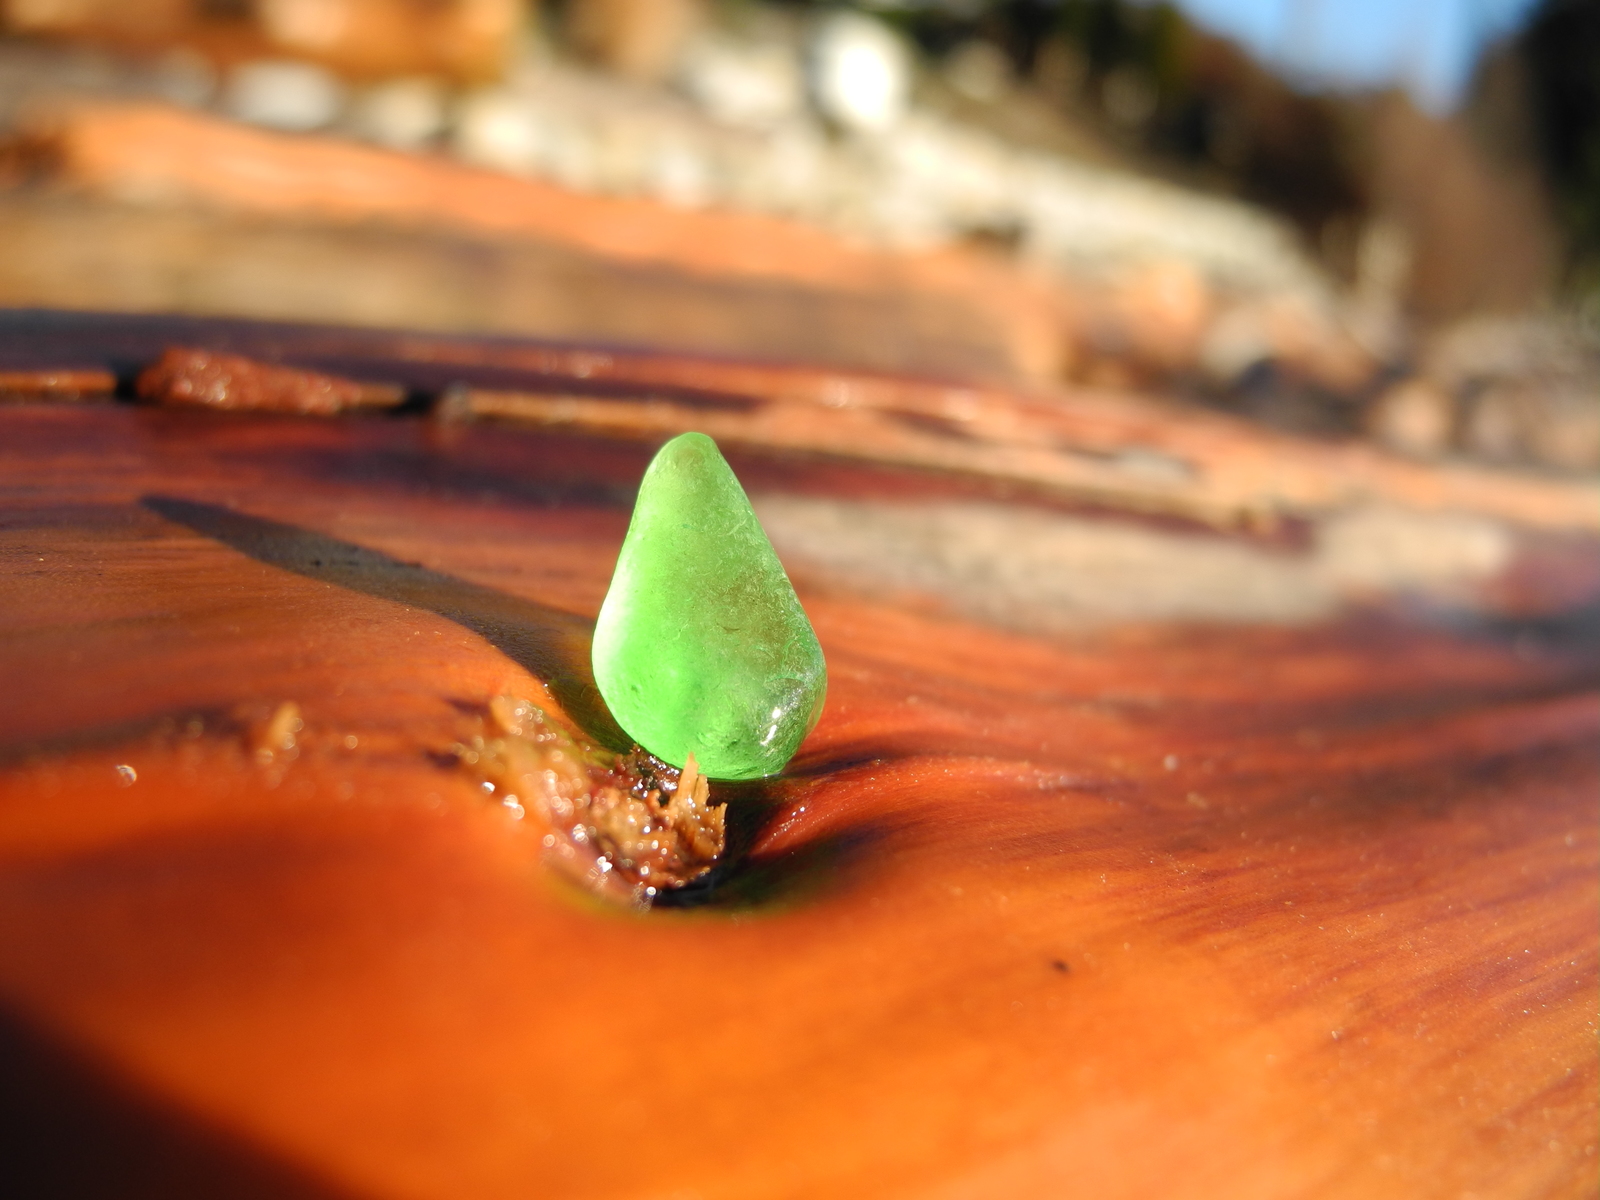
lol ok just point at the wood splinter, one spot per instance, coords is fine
(186, 377)
(55, 385)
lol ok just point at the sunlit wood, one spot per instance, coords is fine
(1146, 910)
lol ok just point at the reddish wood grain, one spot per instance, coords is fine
(1156, 911)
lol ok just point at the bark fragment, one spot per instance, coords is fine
(629, 826)
(190, 378)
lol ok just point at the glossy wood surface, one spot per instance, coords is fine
(1143, 911)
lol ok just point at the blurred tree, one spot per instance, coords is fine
(1561, 47)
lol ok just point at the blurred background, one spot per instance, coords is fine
(1374, 219)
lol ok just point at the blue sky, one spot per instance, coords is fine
(1429, 46)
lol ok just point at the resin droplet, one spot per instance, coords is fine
(702, 647)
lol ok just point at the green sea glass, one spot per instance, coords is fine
(702, 646)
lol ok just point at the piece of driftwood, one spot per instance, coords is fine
(1166, 909)
(1075, 445)
(1095, 449)
(150, 152)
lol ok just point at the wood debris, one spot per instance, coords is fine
(21, 387)
(189, 378)
(628, 826)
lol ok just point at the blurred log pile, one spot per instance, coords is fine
(460, 39)
(660, 174)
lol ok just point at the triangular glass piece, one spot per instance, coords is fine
(702, 646)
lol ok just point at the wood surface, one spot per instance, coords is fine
(1146, 910)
